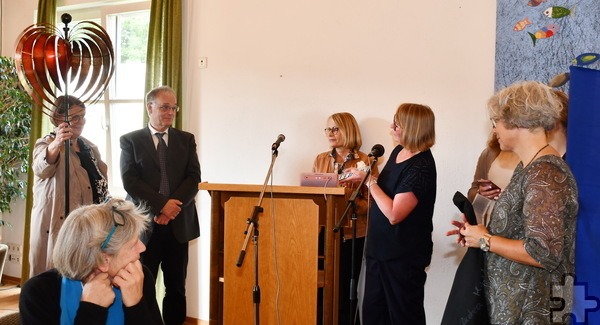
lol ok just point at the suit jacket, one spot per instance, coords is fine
(140, 171)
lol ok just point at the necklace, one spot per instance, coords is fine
(537, 153)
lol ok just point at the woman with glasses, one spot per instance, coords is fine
(98, 277)
(344, 139)
(87, 178)
(399, 244)
(530, 238)
(495, 167)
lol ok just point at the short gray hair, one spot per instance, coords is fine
(151, 95)
(526, 104)
(77, 251)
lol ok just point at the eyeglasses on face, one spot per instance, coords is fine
(494, 121)
(118, 220)
(167, 108)
(333, 130)
(76, 118)
(396, 126)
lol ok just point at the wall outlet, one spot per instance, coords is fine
(15, 258)
(202, 62)
(15, 248)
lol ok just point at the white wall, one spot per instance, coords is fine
(283, 66)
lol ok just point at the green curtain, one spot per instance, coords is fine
(46, 14)
(164, 55)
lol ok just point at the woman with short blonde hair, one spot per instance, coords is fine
(399, 244)
(99, 278)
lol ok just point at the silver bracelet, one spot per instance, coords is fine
(371, 182)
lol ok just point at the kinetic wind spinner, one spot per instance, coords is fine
(51, 62)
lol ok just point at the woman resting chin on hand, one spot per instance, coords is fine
(98, 278)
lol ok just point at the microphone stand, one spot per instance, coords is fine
(252, 231)
(352, 204)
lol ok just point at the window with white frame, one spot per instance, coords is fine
(121, 109)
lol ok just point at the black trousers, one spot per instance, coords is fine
(394, 293)
(165, 251)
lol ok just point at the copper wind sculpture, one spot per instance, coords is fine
(52, 62)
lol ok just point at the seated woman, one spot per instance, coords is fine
(98, 277)
(344, 139)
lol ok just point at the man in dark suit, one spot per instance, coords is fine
(160, 169)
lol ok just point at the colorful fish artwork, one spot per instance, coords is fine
(521, 24)
(535, 3)
(557, 12)
(586, 59)
(544, 32)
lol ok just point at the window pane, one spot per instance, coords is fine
(131, 41)
(121, 109)
(126, 117)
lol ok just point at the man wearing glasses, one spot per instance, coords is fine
(160, 169)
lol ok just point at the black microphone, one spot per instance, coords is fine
(280, 139)
(377, 151)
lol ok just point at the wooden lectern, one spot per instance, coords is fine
(296, 275)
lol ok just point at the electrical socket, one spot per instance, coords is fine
(203, 62)
(17, 248)
(14, 258)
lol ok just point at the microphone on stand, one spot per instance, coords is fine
(377, 151)
(280, 139)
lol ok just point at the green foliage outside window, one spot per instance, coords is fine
(15, 125)
(134, 38)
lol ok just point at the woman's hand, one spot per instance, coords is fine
(460, 239)
(468, 235)
(130, 280)
(63, 132)
(488, 189)
(98, 290)
(352, 175)
(472, 234)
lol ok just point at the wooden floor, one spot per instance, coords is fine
(9, 298)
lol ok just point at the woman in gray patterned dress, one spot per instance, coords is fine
(530, 240)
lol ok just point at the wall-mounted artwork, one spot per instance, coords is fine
(540, 39)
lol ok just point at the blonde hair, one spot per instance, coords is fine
(349, 128)
(418, 124)
(527, 104)
(77, 251)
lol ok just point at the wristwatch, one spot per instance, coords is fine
(484, 242)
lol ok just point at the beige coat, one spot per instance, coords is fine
(47, 214)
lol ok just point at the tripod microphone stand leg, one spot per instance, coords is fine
(256, 289)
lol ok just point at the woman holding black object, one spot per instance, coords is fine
(399, 244)
(530, 239)
(344, 139)
(495, 167)
(87, 179)
(98, 277)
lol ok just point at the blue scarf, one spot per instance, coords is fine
(70, 296)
